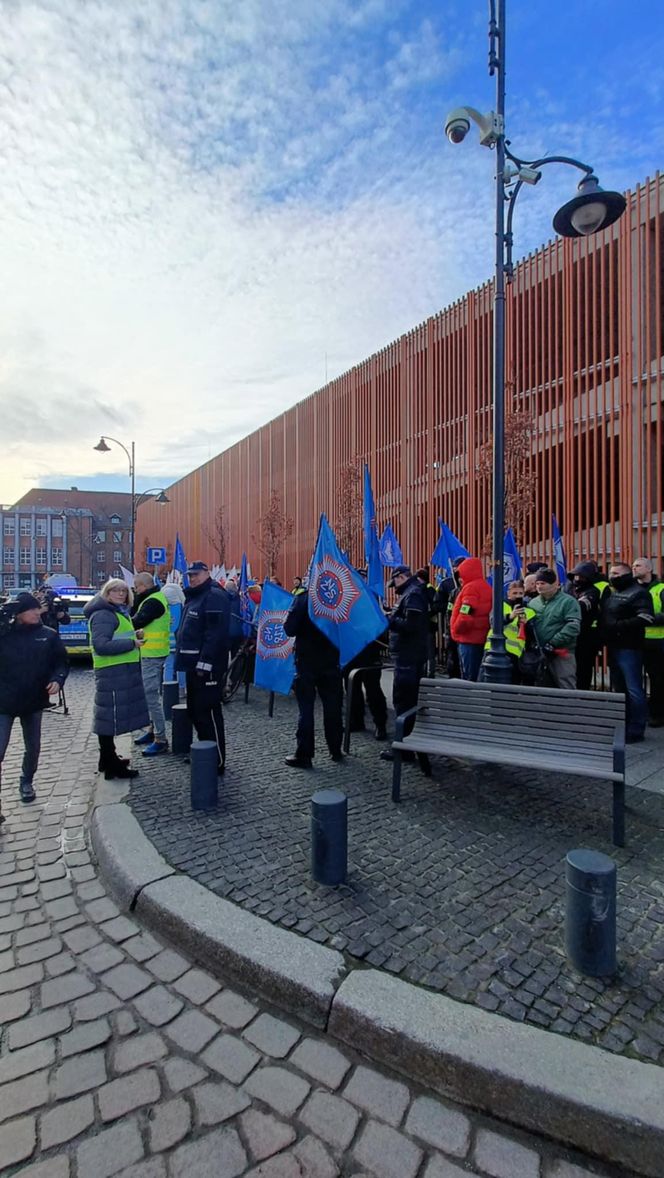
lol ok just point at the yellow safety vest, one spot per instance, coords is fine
(600, 586)
(124, 630)
(656, 592)
(515, 642)
(157, 633)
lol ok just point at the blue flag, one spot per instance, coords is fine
(448, 548)
(246, 606)
(559, 552)
(275, 661)
(511, 559)
(371, 548)
(180, 560)
(389, 548)
(340, 603)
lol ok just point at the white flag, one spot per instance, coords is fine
(127, 577)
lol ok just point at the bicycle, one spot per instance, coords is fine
(240, 670)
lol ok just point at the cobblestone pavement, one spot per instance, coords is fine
(118, 1057)
(460, 888)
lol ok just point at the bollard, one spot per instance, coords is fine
(590, 912)
(329, 836)
(204, 755)
(181, 732)
(170, 695)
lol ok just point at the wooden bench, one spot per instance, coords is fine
(580, 732)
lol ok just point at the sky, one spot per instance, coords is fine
(208, 208)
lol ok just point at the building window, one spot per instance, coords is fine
(57, 526)
(8, 556)
(40, 558)
(101, 556)
(56, 556)
(116, 519)
(25, 556)
(8, 580)
(8, 527)
(117, 556)
(100, 537)
(26, 526)
(117, 537)
(101, 575)
(40, 527)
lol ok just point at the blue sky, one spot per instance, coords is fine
(206, 205)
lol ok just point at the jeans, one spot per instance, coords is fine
(627, 676)
(152, 671)
(470, 658)
(31, 725)
(170, 674)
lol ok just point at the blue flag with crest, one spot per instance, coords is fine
(448, 548)
(389, 548)
(559, 552)
(246, 606)
(340, 603)
(275, 660)
(180, 560)
(371, 547)
(511, 559)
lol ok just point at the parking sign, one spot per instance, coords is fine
(156, 556)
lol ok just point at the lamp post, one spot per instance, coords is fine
(131, 457)
(162, 497)
(591, 210)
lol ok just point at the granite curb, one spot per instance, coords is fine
(607, 1105)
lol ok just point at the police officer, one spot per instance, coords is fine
(408, 626)
(202, 652)
(316, 670)
(653, 647)
(588, 587)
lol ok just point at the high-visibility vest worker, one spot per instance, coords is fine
(514, 631)
(601, 586)
(157, 632)
(656, 591)
(124, 629)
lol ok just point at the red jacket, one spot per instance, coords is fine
(471, 616)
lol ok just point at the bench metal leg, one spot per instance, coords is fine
(619, 813)
(396, 776)
(425, 764)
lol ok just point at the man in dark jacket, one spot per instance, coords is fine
(54, 612)
(33, 666)
(585, 585)
(202, 653)
(316, 670)
(626, 612)
(443, 604)
(408, 626)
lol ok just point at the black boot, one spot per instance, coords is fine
(120, 770)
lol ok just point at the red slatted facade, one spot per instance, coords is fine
(585, 356)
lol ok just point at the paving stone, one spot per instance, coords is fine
(119, 929)
(564, 1169)
(315, 1159)
(127, 980)
(192, 1030)
(124, 1022)
(321, 1061)
(56, 888)
(168, 965)
(132, 1091)
(376, 1094)
(82, 938)
(39, 951)
(26, 1060)
(218, 1101)
(79, 1074)
(170, 1122)
(440, 1167)
(284, 1165)
(110, 1151)
(22, 1095)
(152, 1168)
(94, 1006)
(272, 1036)
(54, 869)
(503, 1158)
(196, 986)
(65, 989)
(280, 1089)
(36, 932)
(17, 1140)
(264, 1134)
(40, 1026)
(232, 1009)
(85, 1037)
(8, 961)
(220, 1152)
(66, 1120)
(21, 978)
(136, 1052)
(331, 1118)
(158, 1006)
(182, 1073)
(88, 888)
(102, 957)
(60, 909)
(143, 947)
(386, 1152)
(63, 963)
(57, 1167)
(101, 910)
(445, 1128)
(231, 1058)
(14, 1006)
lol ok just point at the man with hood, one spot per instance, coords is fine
(33, 667)
(408, 627)
(626, 613)
(587, 587)
(471, 616)
(202, 652)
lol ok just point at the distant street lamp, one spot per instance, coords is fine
(162, 497)
(591, 210)
(131, 457)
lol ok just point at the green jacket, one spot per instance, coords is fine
(557, 621)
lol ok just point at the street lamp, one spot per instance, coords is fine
(591, 210)
(103, 448)
(162, 497)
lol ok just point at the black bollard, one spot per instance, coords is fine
(590, 912)
(181, 732)
(329, 836)
(170, 695)
(204, 756)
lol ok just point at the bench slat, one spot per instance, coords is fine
(545, 727)
(498, 755)
(601, 752)
(505, 706)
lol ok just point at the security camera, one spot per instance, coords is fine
(529, 175)
(457, 125)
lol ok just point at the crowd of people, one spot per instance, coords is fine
(554, 636)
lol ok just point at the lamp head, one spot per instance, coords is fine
(101, 445)
(593, 209)
(162, 497)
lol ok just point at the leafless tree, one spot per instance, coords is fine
(216, 535)
(274, 528)
(349, 510)
(520, 480)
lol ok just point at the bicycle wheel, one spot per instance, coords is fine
(235, 675)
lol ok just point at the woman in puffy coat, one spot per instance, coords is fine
(471, 616)
(119, 696)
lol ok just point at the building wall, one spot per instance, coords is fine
(81, 535)
(585, 348)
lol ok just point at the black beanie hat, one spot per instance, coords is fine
(25, 601)
(546, 575)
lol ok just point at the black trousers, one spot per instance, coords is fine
(367, 683)
(587, 649)
(328, 684)
(108, 757)
(404, 691)
(653, 663)
(204, 711)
